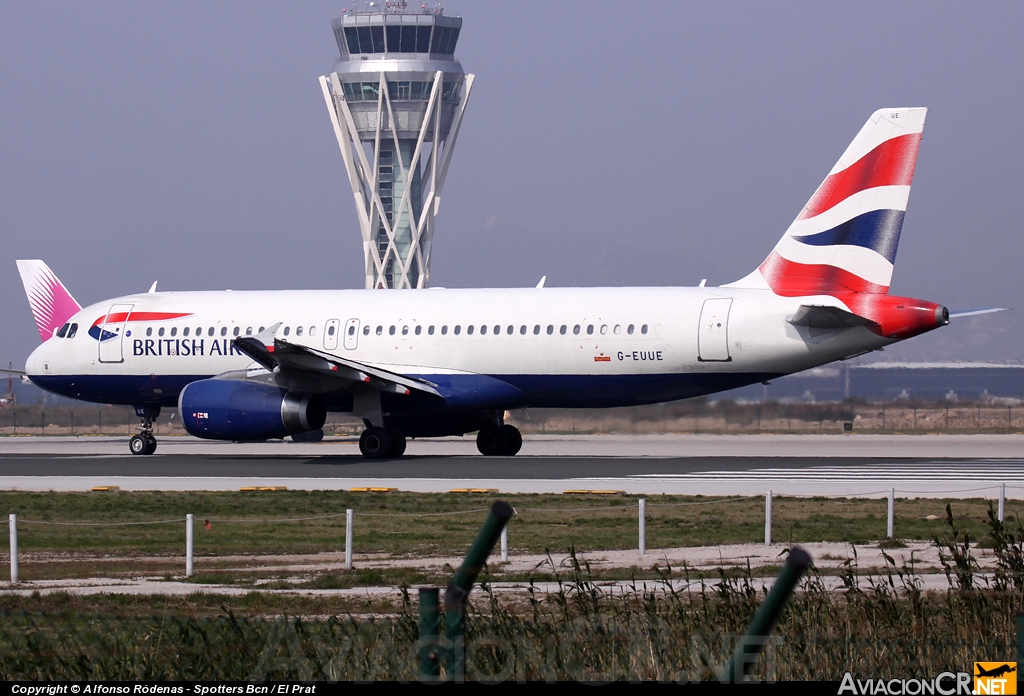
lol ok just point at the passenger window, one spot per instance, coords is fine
(604, 329)
(160, 332)
(261, 330)
(149, 330)
(174, 330)
(629, 329)
(298, 330)
(209, 332)
(536, 329)
(248, 331)
(522, 330)
(312, 331)
(287, 330)
(380, 330)
(551, 329)
(366, 330)
(458, 329)
(199, 331)
(444, 329)
(618, 329)
(351, 331)
(643, 329)
(483, 329)
(590, 329)
(497, 330)
(510, 329)
(405, 330)
(184, 332)
(430, 329)
(391, 331)
(237, 330)
(419, 330)
(576, 330)
(562, 329)
(63, 331)
(73, 330)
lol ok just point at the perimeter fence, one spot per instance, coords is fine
(644, 513)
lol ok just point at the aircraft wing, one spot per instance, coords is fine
(300, 365)
(826, 317)
(12, 372)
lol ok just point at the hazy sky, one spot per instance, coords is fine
(604, 144)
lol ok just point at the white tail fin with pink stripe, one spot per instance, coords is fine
(845, 238)
(51, 303)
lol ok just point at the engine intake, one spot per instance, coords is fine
(216, 409)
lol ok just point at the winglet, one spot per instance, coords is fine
(51, 303)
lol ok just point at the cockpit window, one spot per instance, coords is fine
(63, 331)
(73, 330)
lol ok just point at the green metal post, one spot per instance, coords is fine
(753, 642)
(430, 630)
(456, 597)
(1020, 643)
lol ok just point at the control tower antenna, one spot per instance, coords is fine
(396, 98)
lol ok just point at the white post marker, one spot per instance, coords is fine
(189, 525)
(768, 518)
(504, 543)
(1002, 501)
(348, 540)
(13, 521)
(643, 526)
(892, 504)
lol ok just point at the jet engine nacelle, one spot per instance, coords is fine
(220, 409)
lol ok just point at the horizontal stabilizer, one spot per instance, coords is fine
(825, 317)
(976, 312)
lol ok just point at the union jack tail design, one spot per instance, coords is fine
(845, 238)
(51, 303)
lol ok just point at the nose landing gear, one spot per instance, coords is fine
(144, 442)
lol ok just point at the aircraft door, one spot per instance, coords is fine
(351, 334)
(112, 332)
(713, 332)
(331, 334)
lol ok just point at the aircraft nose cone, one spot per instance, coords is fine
(34, 365)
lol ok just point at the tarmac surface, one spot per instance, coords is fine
(948, 466)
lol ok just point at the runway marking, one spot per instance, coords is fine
(998, 471)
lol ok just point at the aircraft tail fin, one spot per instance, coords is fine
(845, 238)
(51, 303)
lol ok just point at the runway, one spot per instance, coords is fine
(829, 465)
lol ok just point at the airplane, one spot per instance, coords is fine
(251, 366)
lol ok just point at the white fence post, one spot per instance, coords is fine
(348, 540)
(892, 504)
(189, 526)
(13, 521)
(1002, 501)
(504, 543)
(643, 526)
(768, 518)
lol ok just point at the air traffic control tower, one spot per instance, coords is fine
(396, 98)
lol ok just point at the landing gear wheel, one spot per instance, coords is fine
(397, 442)
(150, 444)
(138, 445)
(375, 443)
(513, 440)
(491, 441)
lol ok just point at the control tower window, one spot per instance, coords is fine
(352, 39)
(394, 38)
(408, 40)
(377, 37)
(442, 34)
(422, 39)
(365, 42)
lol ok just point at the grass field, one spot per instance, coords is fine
(124, 533)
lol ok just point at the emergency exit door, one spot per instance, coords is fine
(713, 333)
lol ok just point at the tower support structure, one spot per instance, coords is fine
(396, 99)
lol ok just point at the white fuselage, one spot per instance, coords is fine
(739, 335)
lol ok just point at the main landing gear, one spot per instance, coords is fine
(382, 443)
(144, 442)
(499, 440)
